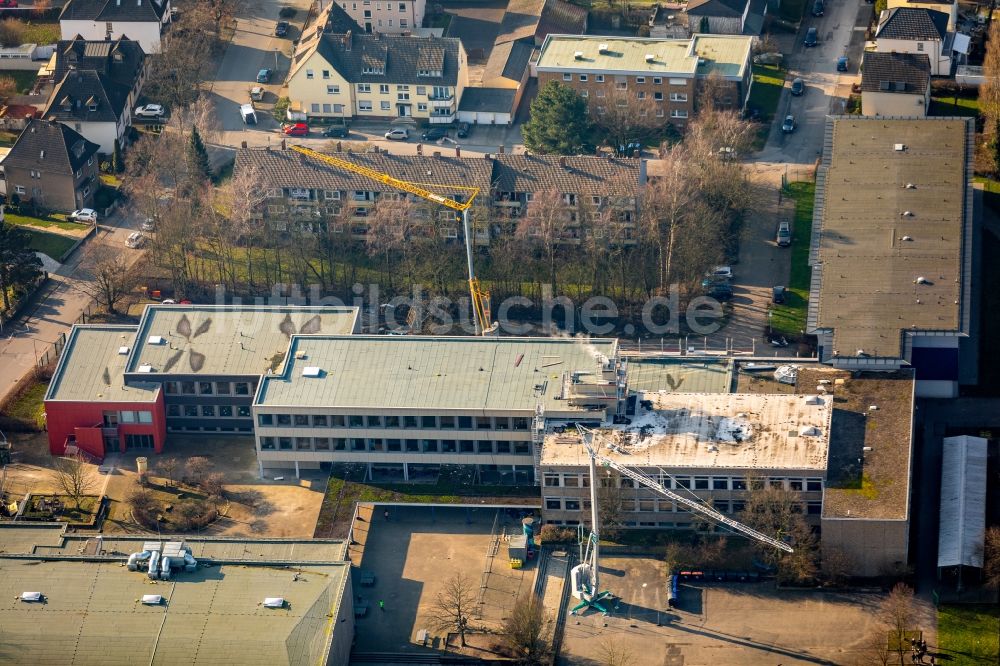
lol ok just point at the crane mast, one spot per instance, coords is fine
(480, 297)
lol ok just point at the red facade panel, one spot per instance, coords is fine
(84, 421)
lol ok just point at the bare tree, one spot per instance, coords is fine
(777, 512)
(73, 476)
(616, 652)
(897, 616)
(611, 505)
(545, 226)
(112, 277)
(453, 606)
(623, 118)
(212, 484)
(525, 631)
(168, 467)
(11, 32)
(991, 557)
(8, 87)
(196, 469)
(875, 650)
(836, 565)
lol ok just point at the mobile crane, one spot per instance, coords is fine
(584, 577)
(480, 297)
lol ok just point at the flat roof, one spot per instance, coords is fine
(92, 614)
(711, 431)
(680, 375)
(91, 367)
(228, 339)
(729, 55)
(963, 502)
(474, 374)
(890, 246)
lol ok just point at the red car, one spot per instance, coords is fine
(296, 129)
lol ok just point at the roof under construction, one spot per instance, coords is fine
(712, 431)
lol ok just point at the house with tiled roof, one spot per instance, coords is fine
(95, 85)
(917, 30)
(107, 20)
(726, 17)
(308, 192)
(52, 166)
(377, 76)
(949, 7)
(895, 84)
(396, 17)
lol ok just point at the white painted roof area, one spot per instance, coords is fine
(713, 430)
(963, 502)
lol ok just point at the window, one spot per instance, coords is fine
(333, 90)
(421, 106)
(701, 483)
(601, 110)
(187, 388)
(571, 481)
(678, 82)
(639, 95)
(364, 87)
(795, 484)
(338, 108)
(599, 78)
(326, 73)
(551, 480)
(720, 483)
(170, 388)
(226, 410)
(301, 419)
(583, 77)
(403, 23)
(814, 485)
(621, 85)
(173, 410)
(383, 89)
(208, 410)
(368, 13)
(267, 443)
(739, 484)
(572, 505)
(567, 76)
(657, 81)
(243, 411)
(920, 46)
(364, 107)
(553, 503)
(814, 508)
(402, 8)
(190, 410)
(386, 106)
(484, 423)
(600, 93)
(678, 113)
(678, 97)
(355, 421)
(205, 388)
(321, 443)
(314, 107)
(36, 174)
(309, 73)
(128, 417)
(222, 388)
(285, 443)
(447, 422)
(19, 189)
(283, 419)
(403, 96)
(242, 388)
(428, 422)
(640, 79)
(585, 94)
(658, 96)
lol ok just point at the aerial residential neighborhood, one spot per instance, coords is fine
(499, 331)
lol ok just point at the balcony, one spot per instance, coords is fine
(441, 120)
(441, 103)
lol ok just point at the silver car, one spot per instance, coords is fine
(784, 235)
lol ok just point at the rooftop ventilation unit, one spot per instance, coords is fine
(809, 431)
(152, 599)
(922, 280)
(578, 55)
(31, 597)
(274, 602)
(145, 368)
(311, 371)
(123, 351)
(650, 57)
(300, 355)
(899, 147)
(155, 340)
(911, 186)
(602, 49)
(907, 213)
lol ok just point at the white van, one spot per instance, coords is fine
(248, 113)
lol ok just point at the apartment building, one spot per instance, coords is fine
(661, 77)
(378, 16)
(404, 406)
(52, 166)
(377, 76)
(307, 192)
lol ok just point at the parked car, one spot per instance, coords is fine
(721, 291)
(295, 129)
(789, 125)
(798, 87)
(720, 272)
(248, 114)
(434, 133)
(842, 63)
(784, 236)
(148, 224)
(149, 111)
(818, 8)
(337, 130)
(257, 93)
(462, 130)
(778, 294)
(264, 76)
(281, 29)
(812, 37)
(84, 215)
(134, 240)
(398, 134)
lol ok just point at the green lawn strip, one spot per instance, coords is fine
(768, 82)
(56, 221)
(947, 106)
(25, 78)
(41, 32)
(48, 243)
(441, 493)
(789, 319)
(29, 406)
(969, 634)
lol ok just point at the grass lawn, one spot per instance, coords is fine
(29, 406)
(48, 243)
(969, 634)
(768, 82)
(25, 79)
(790, 318)
(947, 106)
(56, 221)
(41, 32)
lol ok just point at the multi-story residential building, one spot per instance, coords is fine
(96, 85)
(398, 16)
(895, 84)
(892, 249)
(658, 76)
(104, 20)
(302, 190)
(917, 30)
(52, 167)
(377, 76)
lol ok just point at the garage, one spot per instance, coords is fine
(487, 106)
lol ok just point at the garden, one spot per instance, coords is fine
(190, 503)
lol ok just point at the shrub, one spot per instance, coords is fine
(11, 32)
(212, 484)
(287, 12)
(556, 534)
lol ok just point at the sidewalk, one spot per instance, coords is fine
(56, 309)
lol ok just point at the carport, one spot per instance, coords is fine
(487, 106)
(963, 505)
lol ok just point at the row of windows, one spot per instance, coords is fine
(378, 6)
(208, 388)
(112, 419)
(675, 482)
(674, 113)
(812, 508)
(360, 444)
(657, 96)
(409, 422)
(621, 83)
(434, 92)
(211, 411)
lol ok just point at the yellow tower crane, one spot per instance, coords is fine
(480, 297)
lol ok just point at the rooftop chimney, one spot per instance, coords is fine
(420, 149)
(458, 151)
(243, 144)
(340, 146)
(347, 41)
(501, 149)
(282, 144)
(562, 162)
(437, 153)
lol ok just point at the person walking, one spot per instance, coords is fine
(381, 605)
(385, 514)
